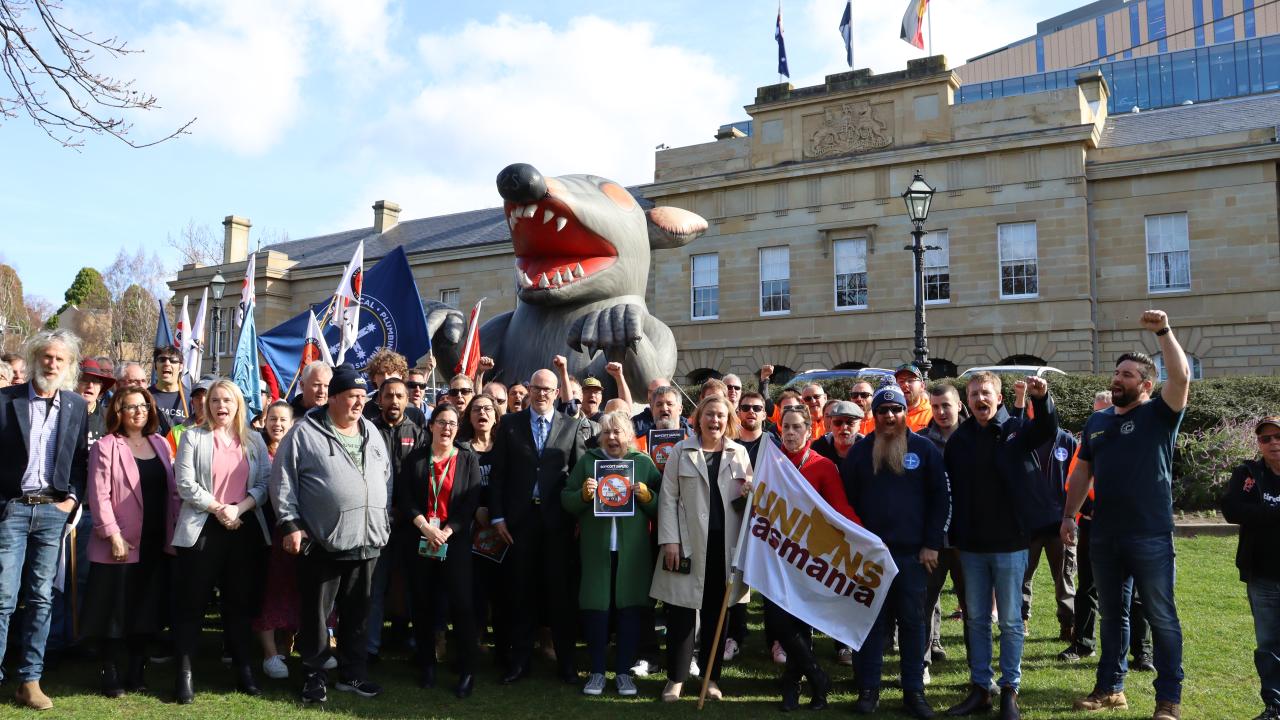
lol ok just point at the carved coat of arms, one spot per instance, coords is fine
(853, 127)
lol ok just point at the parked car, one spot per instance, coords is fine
(875, 376)
(1037, 370)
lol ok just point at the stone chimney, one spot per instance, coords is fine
(385, 215)
(1093, 86)
(235, 239)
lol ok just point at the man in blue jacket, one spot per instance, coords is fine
(994, 470)
(895, 481)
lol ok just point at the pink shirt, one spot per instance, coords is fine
(230, 471)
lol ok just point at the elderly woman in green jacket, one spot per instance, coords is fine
(617, 566)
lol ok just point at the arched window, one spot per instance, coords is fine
(701, 375)
(1197, 372)
(940, 368)
(850, 366)
(1023, 360)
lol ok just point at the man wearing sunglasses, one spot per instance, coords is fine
(170, 397)
(415, 381)
(1253, 502)
(860, 395)
(843, 419)
(461, 390)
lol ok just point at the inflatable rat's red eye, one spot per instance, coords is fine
(618, 195)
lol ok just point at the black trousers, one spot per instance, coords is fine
(538, 575)
(681, 621)
(235, 561)
(324, 581)
(796, 638)
(435, 584)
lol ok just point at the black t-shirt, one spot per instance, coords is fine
(753, 446)
(715, 521)
(1132, 462)
(172, 407)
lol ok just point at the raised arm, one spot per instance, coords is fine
(1177, 385)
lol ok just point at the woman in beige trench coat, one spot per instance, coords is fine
(698, 522)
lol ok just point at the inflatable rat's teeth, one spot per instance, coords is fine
(546, 216)
(559, 279)
(560, 223)
(511, 219)
(542, 282)
(529, 210)
(578, 272)
(525, 282)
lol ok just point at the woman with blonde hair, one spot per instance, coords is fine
(699, 513)
(221, 536)
(617, 566)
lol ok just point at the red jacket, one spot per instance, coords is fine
(823, 475)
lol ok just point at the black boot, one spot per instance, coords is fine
(916, 705)
(111, 681)
(977, 701)
(868, 701)
(466, 684)
(819, 683)
(136, 678)
(1009, 704)
(185, 689)
(790, 690)
(245, 682)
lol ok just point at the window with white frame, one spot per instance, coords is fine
(851, 273)
(1019, 270)
(224, 337)
(937, 267)
(450, 297)
(704, 286)
(775, 280)
(1197, 371)
(1168, 255)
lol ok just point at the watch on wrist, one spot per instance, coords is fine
(1163, 331)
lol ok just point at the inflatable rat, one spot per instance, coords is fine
(582, 263)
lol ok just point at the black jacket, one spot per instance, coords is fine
(71, 461)
(518, 468)
(412, 498)
(907, 512)
(1017, 469)
(1255, 507)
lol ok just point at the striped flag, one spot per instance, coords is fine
(247, 296)
(846, 31)
(346, 303)
(782, 46)
(470, 360)
(194, 358)
(913, 23)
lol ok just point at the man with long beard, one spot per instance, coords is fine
(895, 481)
(43, 440)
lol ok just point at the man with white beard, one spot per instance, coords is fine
(43, 441)
(896, 483)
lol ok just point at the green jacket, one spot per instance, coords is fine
(635, 562)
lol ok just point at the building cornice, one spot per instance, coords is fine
(1258, 152)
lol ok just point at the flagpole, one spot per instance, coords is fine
(735, 576)
(929, 11)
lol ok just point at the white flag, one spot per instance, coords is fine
(314, 347)
(810, 560)
(183, 338)
(195, 344)
(346, 303)
(247, 297)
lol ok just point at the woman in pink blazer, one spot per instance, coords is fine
(132, 495)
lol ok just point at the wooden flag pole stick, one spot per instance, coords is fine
(735, 576)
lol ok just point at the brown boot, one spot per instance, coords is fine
(1102, 700)
(1167, 710)
(30, 695)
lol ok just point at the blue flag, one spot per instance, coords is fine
(244, 370)
(846, 31)
(164, 336)
(782, 46)
(391, 316)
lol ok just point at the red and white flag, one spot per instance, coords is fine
(913, 23)
(193, 358)
(314, 347)
(346, 303)
(247, 296)
(806, 557)
(470, 360)
(183, 330)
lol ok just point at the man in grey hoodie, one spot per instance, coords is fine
(331, 487)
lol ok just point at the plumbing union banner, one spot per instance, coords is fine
(809, 559)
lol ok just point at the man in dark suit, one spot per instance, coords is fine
(43, 426)
(534, 450)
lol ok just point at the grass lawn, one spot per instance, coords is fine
(1218, 658)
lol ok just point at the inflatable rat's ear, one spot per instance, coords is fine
(671, 227)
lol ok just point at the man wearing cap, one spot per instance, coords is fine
(992, 465)
(911, 380)
(170, 397)
(331, 487)
(896, 483)
(843, 419)
(1252, 501)
(93, 386)
(1126, 456)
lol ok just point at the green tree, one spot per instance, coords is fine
(87, 291)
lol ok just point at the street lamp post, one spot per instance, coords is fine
(217, 286)
(918, 196)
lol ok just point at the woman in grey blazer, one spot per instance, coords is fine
(221, 537)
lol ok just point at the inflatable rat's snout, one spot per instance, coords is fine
(521, 183)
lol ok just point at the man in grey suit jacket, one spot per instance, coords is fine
(533, 452)
(43, 443)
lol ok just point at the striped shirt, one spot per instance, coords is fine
(42, 445)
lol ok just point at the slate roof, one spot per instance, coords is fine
(1188, 121)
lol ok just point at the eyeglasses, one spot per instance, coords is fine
(415, 385)
(750, 408)
(541, 389)
(139, 407)
(461, 391)
(168, 361)
(842, 422)
(483, 409)
(860, 395)
(733, 387)
(890, 410)
(1266, 439)
(446, 423)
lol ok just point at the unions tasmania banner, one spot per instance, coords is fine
(809, 559)
(390, 317)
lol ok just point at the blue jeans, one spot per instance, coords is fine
(1264, 601)
(905, 601)
(1147, 563)
(29, 540)
(1001, 573)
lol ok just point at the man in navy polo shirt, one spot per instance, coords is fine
(1126, 455)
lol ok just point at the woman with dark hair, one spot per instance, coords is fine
(479, 421)
(438, 494)
(130, 492)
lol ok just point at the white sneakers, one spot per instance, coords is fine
(731, 649)
(595, 685)
(275, 668)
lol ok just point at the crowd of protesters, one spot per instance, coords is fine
(363, 504)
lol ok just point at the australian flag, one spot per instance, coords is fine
(782, 47)
(390, 316)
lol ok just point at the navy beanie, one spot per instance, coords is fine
(346, 377)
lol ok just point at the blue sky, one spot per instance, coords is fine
(310, 110)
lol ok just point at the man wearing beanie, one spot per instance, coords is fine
(895, 481)
(331, 487)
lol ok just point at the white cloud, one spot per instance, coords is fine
(591, 96)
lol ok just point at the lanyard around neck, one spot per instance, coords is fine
(437, 483)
